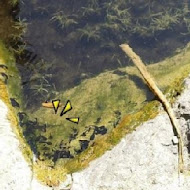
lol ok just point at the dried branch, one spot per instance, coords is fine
(152, 85)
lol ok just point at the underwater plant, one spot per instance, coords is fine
(13, 2)
(93, 3)
(140, 29)
(40, 81)
(115, 59)
(63, 20)
(164, 21)
(187, 23)
(88, 34)
(154, 22)
(19, 50)
(16, 38)
(21, 24)
(89, 11)
(120, 16)
(40, 89)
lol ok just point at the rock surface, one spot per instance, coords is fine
(15, 173)
(144, 160)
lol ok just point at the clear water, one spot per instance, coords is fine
(67, 42)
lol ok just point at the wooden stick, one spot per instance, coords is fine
(152, 85)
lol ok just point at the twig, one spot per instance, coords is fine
(152, 85)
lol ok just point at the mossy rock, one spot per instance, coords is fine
(107, 98)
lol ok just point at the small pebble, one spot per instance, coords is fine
(175, 140)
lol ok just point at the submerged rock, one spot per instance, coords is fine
(100, 130)
(84, 144)
(61, 154)
(21, 116)
(41, 139)
(14, 103)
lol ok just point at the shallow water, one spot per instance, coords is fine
(66, 51)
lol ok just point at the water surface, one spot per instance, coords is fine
(70, 50)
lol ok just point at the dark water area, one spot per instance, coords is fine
(67, 41)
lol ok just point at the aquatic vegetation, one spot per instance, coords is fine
(19, 50)
(90, 11)
(13, 2)
(93, 3)
(64, 21)
(115, 58)
(40, 89)
(156, 22)
(122, 16)
(21, 25)
(40, 85)
(164, 21)
(89, 35)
